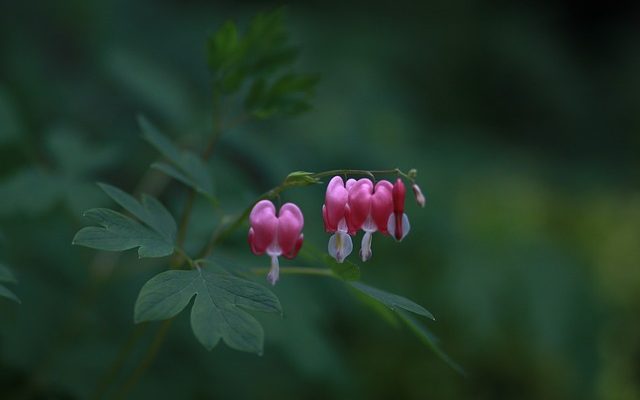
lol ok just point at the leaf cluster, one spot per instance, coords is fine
(259, 63)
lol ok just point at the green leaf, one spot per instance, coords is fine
(223, 46)
(185, 166)
(259, 58)
(118, 232)
(346, 270)
(301, 178)
(150, 211)
(289, 95)
(218, 310)
(428, 339)
(4, 292)
(382, 310)
(6, 275)
(393, 301)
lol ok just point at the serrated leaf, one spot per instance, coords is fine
(118, 232)
(430, 340)
(258, 59)
(393, 301)
(6, 275)
(218, 310)
(289, 95)
(188, 168)
(6, 293)
(150, 211)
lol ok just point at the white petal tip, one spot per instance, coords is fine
(340, 246)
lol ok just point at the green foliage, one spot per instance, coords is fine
(260, 60)
(183, 165)
(393, 301)
(346, 270)
(428, 339)
(118, 232)
(6, 276)
(384, 302)
(218, 310)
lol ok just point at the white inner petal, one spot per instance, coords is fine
(365, 248)
(274, 272)
(340, 246)
(406, 227)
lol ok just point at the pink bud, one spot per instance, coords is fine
(273, 235)
(420, 199)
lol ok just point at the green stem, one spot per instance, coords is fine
(298, 271)
(117, 365)
(181, 254)
(149, 356)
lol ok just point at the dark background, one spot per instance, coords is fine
(522, 119)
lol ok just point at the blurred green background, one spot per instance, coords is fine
(523, 122)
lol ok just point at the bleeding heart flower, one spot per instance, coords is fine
(370, 207)
(335, 211)
(398, 223)
(273, 235)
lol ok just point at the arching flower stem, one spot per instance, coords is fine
(231, 226)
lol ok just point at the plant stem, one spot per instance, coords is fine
(147, 360)
(298, 271)
(111, 374)
(180, 254)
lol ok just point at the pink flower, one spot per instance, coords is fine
(273, 235)
(398, 223)
(370, 208)
(335, 212)
(420, 199)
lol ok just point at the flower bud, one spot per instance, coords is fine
(420, 199)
